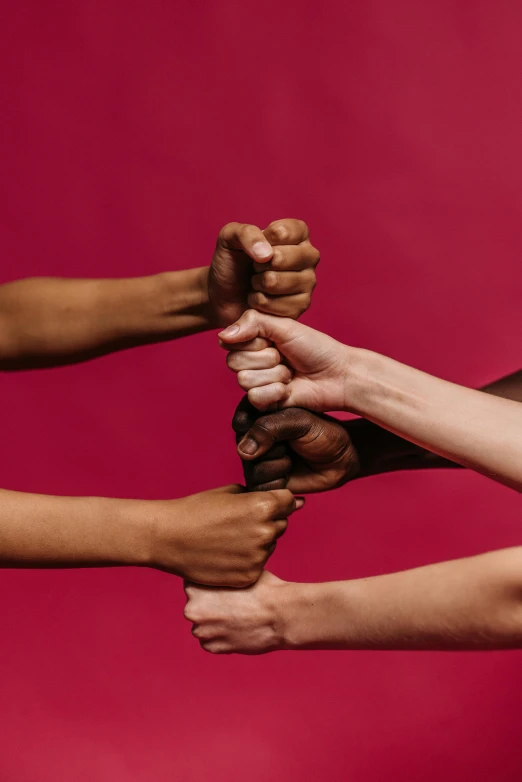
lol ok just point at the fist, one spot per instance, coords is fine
(301, 368)
(272, 271)
(221, 537)
(244, 621)
(293, 448)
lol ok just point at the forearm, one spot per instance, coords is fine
(52, 321)
(381, 451)
(509, 387)
(474, 429)
(473, 603)
(46, 531)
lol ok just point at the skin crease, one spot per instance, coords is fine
(219, 537)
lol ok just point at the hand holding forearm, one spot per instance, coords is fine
(473, 604)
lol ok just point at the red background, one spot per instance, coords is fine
(131, 131)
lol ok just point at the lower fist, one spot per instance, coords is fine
(245, 621)
(221, 537)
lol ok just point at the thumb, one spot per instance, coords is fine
(254, 324)
(268, 430)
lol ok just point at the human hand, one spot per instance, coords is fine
(221, 537)
(293, 448)
(314, 373)
(246, 621)
(272, 271)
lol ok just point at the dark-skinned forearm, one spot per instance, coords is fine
(51, 321)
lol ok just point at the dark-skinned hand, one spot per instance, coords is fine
(308, 452)
(293, 448)
(272, 271)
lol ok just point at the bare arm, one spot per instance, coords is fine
(221, 537)
(473, 603)
(475, 429)
(51, 321)
(309, 452)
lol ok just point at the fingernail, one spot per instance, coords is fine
(229, 331)
(299, 502)
(248, 445)
(262, 250)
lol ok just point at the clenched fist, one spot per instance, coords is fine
(245, 621)
(272, 271)
(221, 537)
(293, 448)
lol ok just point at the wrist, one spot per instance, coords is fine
(381, 451)
(183, 301)
(166, 534)
(303, 615)
(129, 524)
(361, 373)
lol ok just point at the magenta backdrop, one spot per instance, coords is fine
(131, 131)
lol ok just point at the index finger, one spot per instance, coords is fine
(288, 231)
(247, 238)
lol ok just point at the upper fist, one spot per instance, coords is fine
(272, 271)
(293, 448)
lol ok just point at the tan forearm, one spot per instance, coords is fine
(475, 429)
(473, 603)
(45, 531)
(51, 321)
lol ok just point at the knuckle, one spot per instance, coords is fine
(270, 280)
(210, 647)
(272, 356)
(246, 578)
(279, 230)
(267, 535)
(244, 378)
(256, 299)
(232, 360)
(190, 613)
(225, 231)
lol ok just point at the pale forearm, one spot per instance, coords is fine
(45, 531)
(473, 603)
(473, 428)
(50, 321)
